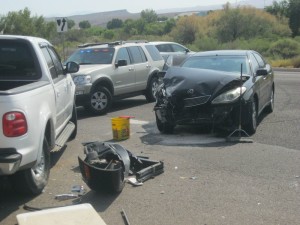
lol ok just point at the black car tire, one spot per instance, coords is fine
(100, 100)
(74, 120)
(151, 90)
(252, 117)
(270, 107)
(165, 127)
(32, 181)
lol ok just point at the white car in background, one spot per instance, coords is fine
(171, 48)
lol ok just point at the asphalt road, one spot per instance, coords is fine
(206, 180)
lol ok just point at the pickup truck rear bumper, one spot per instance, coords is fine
(9, 161)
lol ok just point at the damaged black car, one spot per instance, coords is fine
(226, 88)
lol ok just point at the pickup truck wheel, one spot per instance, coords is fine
(151, 90)
(74, 120)
(32, 181)
(100, 101)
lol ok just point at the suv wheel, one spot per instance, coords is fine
(151, 90)
(100, 100)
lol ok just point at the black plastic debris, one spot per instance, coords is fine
(107, 165)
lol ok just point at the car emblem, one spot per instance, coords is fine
(190, 91)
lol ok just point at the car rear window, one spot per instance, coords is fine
(17, 61)
(92, 56)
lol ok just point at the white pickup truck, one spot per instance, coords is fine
(37, 109)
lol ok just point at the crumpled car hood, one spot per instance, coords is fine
(189, 82)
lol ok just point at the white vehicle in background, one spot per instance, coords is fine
(37, 109)
(171, 48)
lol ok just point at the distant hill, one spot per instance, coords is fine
(102, 18)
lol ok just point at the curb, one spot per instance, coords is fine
(286, 69)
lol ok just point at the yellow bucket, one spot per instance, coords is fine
(120, 128)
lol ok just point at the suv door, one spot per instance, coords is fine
(123, 76)
(61, 87)
(142, 67)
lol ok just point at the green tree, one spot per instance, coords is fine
(114, 23)
(279, 9)
(149, 15)
(22, 23)
(294, 17)
(71, 24)
(108, 34)
(85, 24)
(186, 29)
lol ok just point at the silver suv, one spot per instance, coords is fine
(113, 71)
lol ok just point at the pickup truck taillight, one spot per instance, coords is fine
(14, 124)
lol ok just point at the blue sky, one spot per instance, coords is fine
(49, 8)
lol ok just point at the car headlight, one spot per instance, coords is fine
(82, 79)
(229, 96)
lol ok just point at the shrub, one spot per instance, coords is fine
(284, 49)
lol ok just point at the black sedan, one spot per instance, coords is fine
(226, 88)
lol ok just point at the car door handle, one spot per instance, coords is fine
(131, 69)
(148, 66)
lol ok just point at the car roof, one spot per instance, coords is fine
(163, 42)
(223, 53)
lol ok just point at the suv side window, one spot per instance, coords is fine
(123, 54)
(137, 54)
(154, 53)
(164, 48)
(53, 62)
(178, 48)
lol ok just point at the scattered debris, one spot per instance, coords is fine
(124, 216)
(107, 165)
(134, 182)
(193, 178)
(62, 197)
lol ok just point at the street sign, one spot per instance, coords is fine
(61, 24)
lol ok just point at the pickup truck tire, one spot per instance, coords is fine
(151, 90)
(100, 100)
(32, 181)
(74, 120)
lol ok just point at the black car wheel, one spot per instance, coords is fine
(151, 90)
(33, 180)
(100, 100)
(252, 120)
(270, 107)
(164, 127)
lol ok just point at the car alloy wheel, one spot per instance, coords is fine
(100, 100)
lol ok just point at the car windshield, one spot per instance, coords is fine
(220, 63)
(92, 56)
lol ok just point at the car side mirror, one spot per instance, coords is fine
(187, 50)
(261, 72)
(121, 62)
(71, 67)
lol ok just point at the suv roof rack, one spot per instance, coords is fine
(114, 43)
